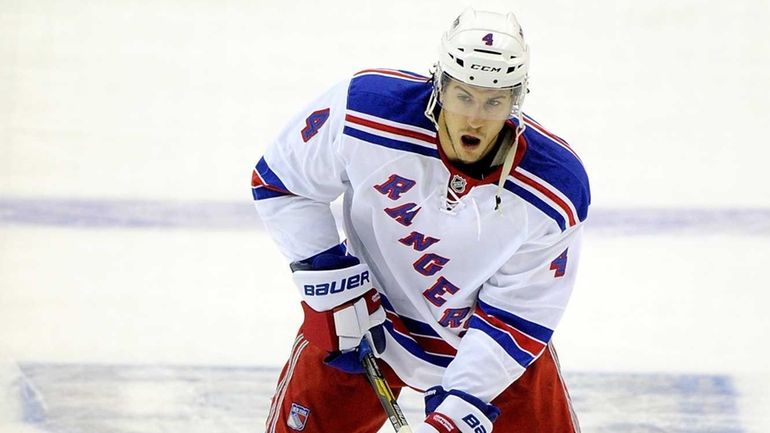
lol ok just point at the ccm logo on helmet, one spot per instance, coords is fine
(337, 286)
(485, 68)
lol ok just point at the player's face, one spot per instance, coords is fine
(470, 120)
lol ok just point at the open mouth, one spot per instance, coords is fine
(469, 140)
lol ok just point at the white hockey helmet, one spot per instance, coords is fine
(484, 49)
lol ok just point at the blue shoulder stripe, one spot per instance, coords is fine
(556, 164)
(392, 98)
(389, 142)
(535, 201)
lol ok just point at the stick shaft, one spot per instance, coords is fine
(384, 393)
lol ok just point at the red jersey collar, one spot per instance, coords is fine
(491, 178)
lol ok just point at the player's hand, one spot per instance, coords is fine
(456, 412)
(339, 301)
(351, 361)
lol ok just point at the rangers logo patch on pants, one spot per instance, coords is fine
(297, 417)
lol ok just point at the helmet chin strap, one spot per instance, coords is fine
(509, 157)
(430, 109)
(445, 128)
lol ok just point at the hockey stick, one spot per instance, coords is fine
(382, 389)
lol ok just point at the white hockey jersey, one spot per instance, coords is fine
(472, 294)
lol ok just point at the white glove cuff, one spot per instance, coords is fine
(425, 428)
(467, 417)
(352, 322)
(324, 290)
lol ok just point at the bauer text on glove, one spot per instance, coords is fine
(456, 412)
(338, 299)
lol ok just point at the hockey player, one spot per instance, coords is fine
(462, 218)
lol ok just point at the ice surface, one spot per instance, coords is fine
(139, 294)
(119, 398)
(106, 311)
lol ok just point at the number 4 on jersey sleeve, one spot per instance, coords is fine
(313, 124)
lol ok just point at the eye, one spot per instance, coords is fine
(493, 103)
(463, 97)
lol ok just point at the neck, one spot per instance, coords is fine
(478, 169)
(481, 168)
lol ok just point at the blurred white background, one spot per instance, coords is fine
(667, 102)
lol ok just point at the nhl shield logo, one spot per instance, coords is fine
(298, 417)
(458, 184)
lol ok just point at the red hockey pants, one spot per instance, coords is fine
(314, 398)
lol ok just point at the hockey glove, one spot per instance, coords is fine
(339, 301)
(456, 412)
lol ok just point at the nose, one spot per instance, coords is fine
(474, 120)
(474, 116)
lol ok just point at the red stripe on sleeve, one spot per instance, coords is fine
(524, 341)
(392, 129)
(558, 201)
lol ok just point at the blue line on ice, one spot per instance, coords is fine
(207, 215)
